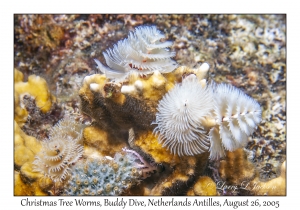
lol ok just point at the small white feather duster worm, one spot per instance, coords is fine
(142, 52)
(60, 151)
(179, 117)
(237, 115)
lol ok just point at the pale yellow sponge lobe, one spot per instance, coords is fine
(36, 87)
(28, 182)
(26, 187)
(97, 138)
(154, 87)
(98, 81)
(204, 186)
(169, 183)
(25, 147)
(182, 171)
(148, 142)
(18, 77)
(20, 113)
(150, 88)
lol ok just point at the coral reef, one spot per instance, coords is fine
(38, 123)
(105, 102)
(268, 152)
(267, 155)
(107, 176)
(62, 149)
(245, 51)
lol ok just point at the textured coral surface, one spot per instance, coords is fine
(55, 55)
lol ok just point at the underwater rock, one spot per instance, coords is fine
(113, 110)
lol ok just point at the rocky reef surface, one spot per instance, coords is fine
(55, 77)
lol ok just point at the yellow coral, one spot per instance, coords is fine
(149, 88)
(36, 87)
(155, 86)
(182, 71)
(98, 79)
(25, 147)
(20, 113)
(28, 182)
(18, 76)
(116, 107)
(181, 176)
(96, 138)
(171, 184)
(204, 186)
(148, 142)
(25, 187)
